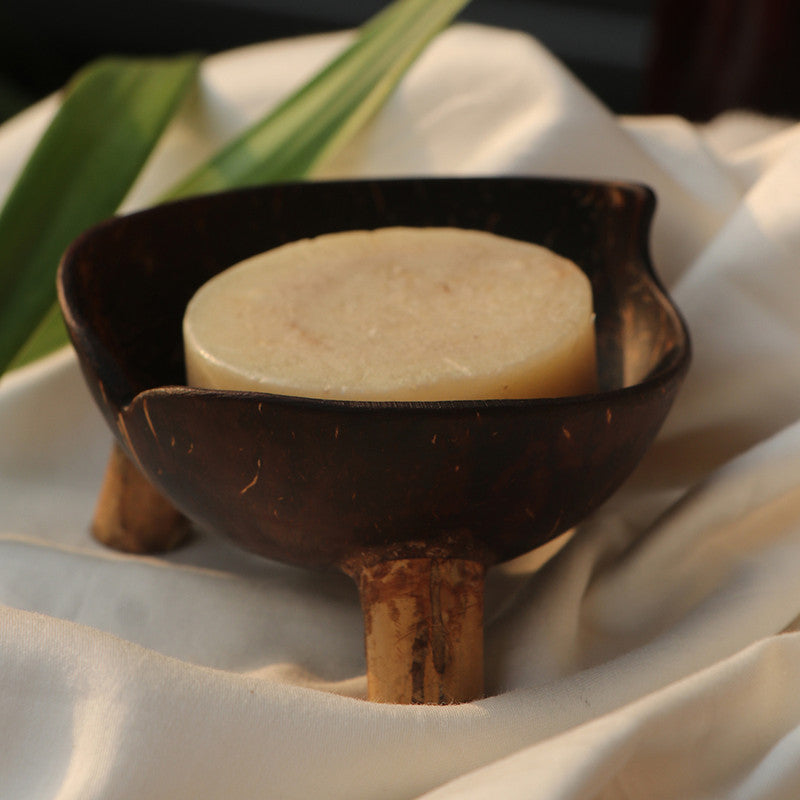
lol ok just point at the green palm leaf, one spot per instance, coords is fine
(93, 151)
(321, 117)
(113, 114)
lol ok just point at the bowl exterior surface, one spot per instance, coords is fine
(324, 482)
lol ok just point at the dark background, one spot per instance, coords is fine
(692, 57)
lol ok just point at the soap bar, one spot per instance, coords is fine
(396, 314)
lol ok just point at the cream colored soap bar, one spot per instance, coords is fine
(396, 314)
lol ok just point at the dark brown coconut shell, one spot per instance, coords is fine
(320, 482)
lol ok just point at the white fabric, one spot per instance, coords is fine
(652, 654)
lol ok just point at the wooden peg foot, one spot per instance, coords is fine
(423, 624)
(131, 515)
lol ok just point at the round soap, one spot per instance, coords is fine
(396, 314)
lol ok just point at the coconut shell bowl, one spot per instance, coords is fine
(414, 500)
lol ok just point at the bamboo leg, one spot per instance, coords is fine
(423, 623)
(131, 515)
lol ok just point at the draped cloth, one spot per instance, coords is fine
(653, 652)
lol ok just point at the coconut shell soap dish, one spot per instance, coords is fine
(413, 499)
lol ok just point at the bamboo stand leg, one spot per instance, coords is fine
(131, 515)
(423, 623)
